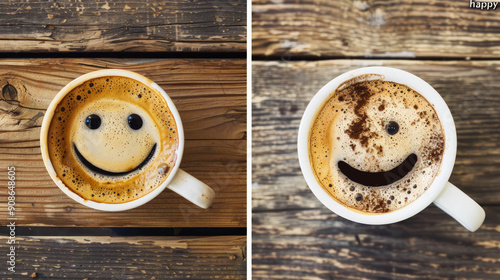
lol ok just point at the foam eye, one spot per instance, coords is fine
(134, 121)
(392, 127)
(93, 121)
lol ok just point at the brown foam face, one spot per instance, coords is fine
(112, 140)
(376, 146)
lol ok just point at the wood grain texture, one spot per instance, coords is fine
(376, 29)
(296, 237)
(101, 257)
(211, 98)
(209, 94)
(317, 244)
(118, 26)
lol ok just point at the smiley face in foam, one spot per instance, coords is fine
(112, 140)
(114, 137)
(376, 146)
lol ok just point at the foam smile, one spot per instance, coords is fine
(378, 179)
(109, 173)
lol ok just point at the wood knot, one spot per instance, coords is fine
(288, 110)
(9, 92)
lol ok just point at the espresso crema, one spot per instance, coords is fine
(376, 146)
(113, 140)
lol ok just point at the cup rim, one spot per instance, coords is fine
(48, 118)
(439, 182)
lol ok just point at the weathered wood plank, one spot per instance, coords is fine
(102, 257)
(404, 29)
(470, 88)
(130, 26)
(220, 164)
(209, 94)
(211, 98)
(317, 244)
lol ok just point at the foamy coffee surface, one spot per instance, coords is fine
(134, 161)
(351, 127)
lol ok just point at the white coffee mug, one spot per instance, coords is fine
(179, 181)
(444, 194)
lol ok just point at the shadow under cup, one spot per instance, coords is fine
(89, 183)
(388, 75)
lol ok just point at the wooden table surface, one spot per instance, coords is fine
(195, 51)
(298, 46)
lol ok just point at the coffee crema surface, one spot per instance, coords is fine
(113, 140)
(375, 146)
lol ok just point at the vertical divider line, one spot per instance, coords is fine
(249, 139)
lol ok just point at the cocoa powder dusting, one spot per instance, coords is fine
(376, 204)
(359, 128)
(380, 206)
(437, 151)
(380, 149)
(361, 94)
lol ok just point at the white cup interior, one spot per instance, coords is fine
(48, 118)
(391, 75)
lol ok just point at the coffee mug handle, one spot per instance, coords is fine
(461, 207)
(192, 189)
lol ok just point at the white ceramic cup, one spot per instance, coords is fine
(444, 194)
(179, 181)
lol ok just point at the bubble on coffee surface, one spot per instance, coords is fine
(375, 126)
(128, 149)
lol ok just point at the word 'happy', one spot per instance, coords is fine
(483, 5)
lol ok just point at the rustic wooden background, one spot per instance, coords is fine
(123, 26)
(298, 46)
(195, 51)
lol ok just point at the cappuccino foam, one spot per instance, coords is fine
(353, 144)
(112, 162)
